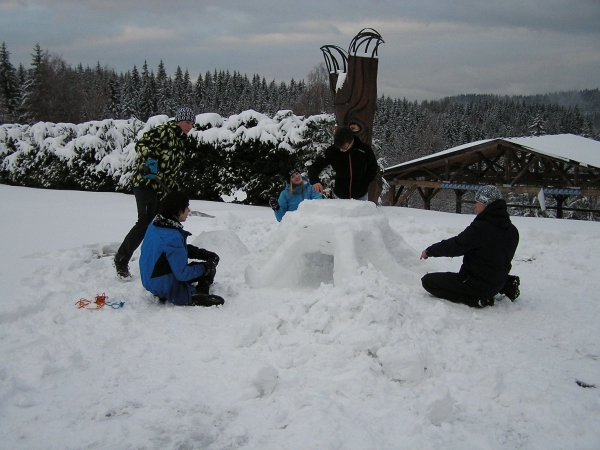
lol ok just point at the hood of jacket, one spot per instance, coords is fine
(496, 214)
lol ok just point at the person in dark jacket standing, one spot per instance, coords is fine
(488, 246)
(160, 154)
(354, 164)
(164, 258)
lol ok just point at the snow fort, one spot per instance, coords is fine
(329, 240)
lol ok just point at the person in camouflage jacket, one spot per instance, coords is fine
(160, 152)
(166, 145)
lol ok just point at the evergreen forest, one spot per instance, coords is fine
(50, 90)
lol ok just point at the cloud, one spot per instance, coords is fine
(432, 47)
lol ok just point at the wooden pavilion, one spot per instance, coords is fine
(559, 166)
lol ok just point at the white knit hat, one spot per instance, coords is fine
(487, 194)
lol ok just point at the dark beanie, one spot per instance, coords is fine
(288, 172)
(185, 114)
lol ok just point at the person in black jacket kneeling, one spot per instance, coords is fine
(488, 246)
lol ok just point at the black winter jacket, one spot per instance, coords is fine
(354, 169)
(488, 245)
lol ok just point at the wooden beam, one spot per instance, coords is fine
(462, 166)
(406, 195)
(418, 183)
(559, 170)
(396, 196)
(525, 169)
(506, 189)
(515, 205)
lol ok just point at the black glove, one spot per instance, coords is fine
(274, 204)
(201, 253)
(207, 255)
(210, 269)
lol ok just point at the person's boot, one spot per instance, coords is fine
(201, 299)
(483, 302)
(122, 270)
(511, 287)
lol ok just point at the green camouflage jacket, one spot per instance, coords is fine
(166, 144)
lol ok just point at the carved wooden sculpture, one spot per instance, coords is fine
(353, 85)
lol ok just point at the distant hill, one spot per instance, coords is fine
(588, 100)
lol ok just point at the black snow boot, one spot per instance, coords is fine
(122, 270)
(483, 302)
(200, 299)
(511, 288)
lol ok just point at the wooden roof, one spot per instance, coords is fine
(567, 162)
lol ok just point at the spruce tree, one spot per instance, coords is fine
(209, 93)
(179, 88)
(9, 87)
(188, 91)
(199, 94)
(147, 103)
(31, 91)
(164, 93)
(130, 94)
(538, 127)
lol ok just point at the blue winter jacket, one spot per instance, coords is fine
(164, 263)
(290, 202)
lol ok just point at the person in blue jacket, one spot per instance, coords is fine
(164, 265)
(297, 189)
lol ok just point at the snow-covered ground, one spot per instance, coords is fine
(370, 362)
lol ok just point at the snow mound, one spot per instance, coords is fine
(335, 237)
(224, 243)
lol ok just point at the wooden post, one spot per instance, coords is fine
(559, 205)
(392, 194)
(426, 194)
(459, 195)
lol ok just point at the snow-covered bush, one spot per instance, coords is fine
(244, 152)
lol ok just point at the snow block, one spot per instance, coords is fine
(402, 364)
(265, 379)
(224, 243)
(438, 406)
(355, 233)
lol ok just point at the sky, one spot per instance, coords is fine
(432, 49)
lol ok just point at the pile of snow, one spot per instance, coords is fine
(368, 362)
(340, 235)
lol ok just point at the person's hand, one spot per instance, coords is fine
(207, 255)
(150, 169)
(318, 187)
(424, 255)
(274, 204)
(210, 269)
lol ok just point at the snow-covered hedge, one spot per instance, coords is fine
(243, 152)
